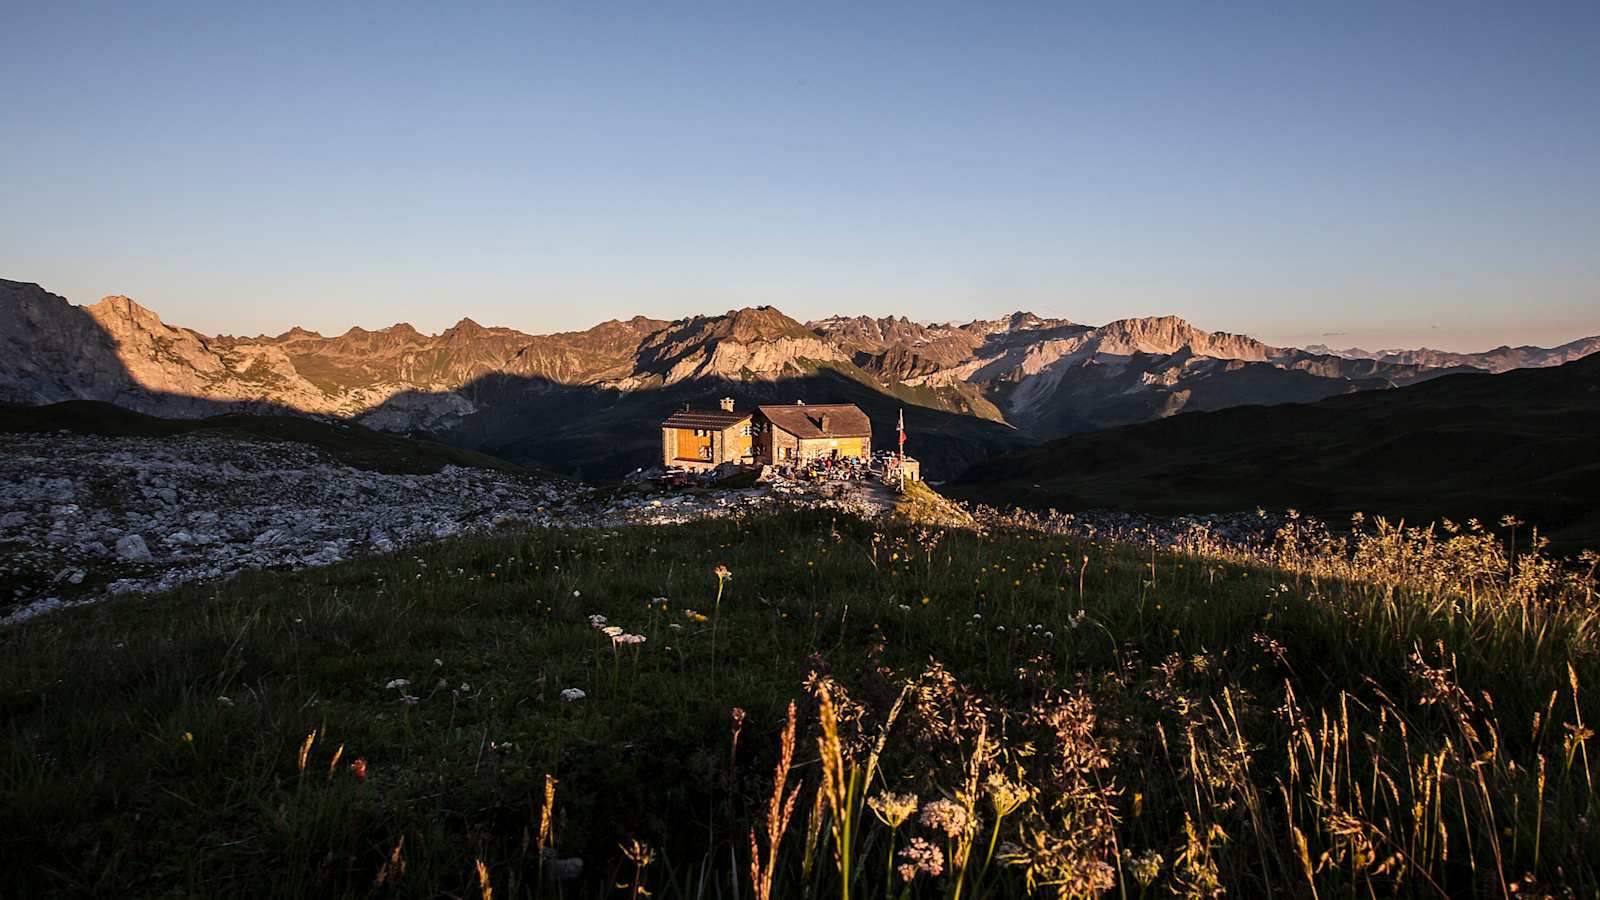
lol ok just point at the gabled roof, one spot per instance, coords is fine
(716, 419)
(844, 420)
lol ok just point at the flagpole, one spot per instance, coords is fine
(900, 426)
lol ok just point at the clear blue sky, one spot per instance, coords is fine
(1400, 173)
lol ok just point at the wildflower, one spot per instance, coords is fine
(1145, 868)
(893, 809)
(188, 737)
(597, 621)
(947, 816)
(225, 700)
(572, 694)
(398, 684)
(359, 768)
(409, 699)
(693, 616)
(1004, 794)
(612, 631)
(437, 661)
(630, 639)
(920, 856)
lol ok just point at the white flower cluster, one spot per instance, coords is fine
(947, 816)
(401, 685)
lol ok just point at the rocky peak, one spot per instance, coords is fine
(759, 323)
(298, 334)
(1017, 323)
(1020, 320)
(465, 328)
(127, 306)
(873, 335)
(1168, 334)
(121, 315)
(751, 341)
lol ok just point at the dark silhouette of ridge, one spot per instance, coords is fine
(347, 442)
(600, 434)
(1474, 445)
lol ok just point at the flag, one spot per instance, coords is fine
(901, 427)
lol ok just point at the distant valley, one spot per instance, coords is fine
(585, 402)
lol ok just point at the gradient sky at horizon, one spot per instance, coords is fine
(1372, 174)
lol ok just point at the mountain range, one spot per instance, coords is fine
(585, 402)
(1501, 359)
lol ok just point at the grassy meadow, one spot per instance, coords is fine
(849, 709)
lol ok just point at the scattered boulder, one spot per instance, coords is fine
(132, 548)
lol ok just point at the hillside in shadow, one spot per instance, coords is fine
(354, 445)
(1521, 443)
(602, 434)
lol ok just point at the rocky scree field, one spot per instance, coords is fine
(149, 504)
(807, 703)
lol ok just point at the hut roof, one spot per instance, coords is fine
(805, 420)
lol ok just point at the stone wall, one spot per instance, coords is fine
(777, 442)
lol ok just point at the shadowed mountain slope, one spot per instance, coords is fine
(601, 432)
(1052, 377)
(354, 445)
(1521, 443)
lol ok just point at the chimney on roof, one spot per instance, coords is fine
(799, 403)
(823, 421)
(726, 403)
